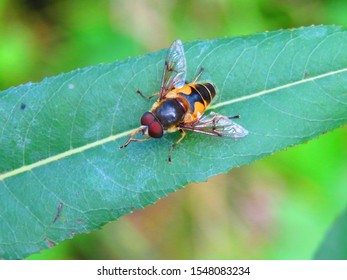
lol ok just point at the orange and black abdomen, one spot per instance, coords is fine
(199, 97)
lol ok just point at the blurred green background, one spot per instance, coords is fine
(277, 208)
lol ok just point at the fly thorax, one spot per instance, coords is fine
(170, 112)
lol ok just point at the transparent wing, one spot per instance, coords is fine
(174, 75)
(217, 125)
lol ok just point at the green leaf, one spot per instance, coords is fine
(61, 172)
(334, 246)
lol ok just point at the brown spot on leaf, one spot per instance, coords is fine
(59, 209)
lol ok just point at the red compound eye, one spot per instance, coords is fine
(155, 130)
(147, 118)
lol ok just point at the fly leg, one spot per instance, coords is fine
(198, 75)
(183, 134)
(132, 139)
(234, 117)
(147, 97)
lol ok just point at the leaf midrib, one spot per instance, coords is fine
(68, 153)
(111, 138)
(263, 92)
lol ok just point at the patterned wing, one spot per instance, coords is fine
(217, 125)
(174, 75)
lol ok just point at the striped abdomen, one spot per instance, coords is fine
(197, 97)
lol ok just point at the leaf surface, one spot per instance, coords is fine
(61, 172)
